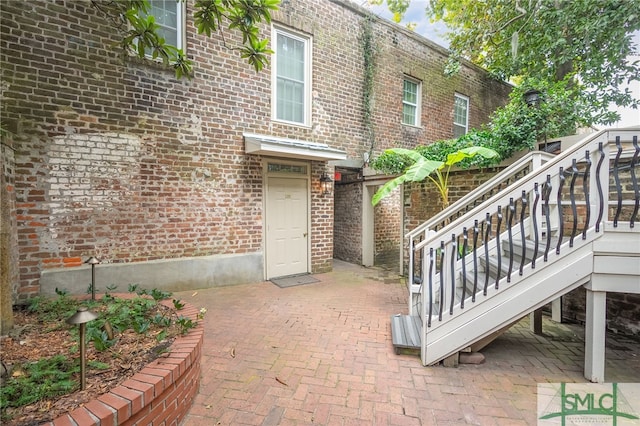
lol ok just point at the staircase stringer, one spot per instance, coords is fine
(506, 306)
(517, 279)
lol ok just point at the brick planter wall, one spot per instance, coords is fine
(161, 393)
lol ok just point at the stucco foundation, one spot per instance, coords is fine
(189, 273)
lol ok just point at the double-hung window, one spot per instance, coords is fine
(291, 88)
(170, 16)
(411, 95)
(460, 115)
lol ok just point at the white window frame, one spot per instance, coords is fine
(417, 105)
(307, 40)
(456, 124)
(181, 32)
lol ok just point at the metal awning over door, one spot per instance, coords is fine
(290, 148)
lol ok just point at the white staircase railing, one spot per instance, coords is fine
(545, 218)
(516, 170)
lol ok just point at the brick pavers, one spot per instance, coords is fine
(321, 354)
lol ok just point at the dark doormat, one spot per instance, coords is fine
(294, 280)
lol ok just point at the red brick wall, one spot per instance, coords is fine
(8, 230)
(623, 310)
(403, 53)
(388, 232)
(124, 162)
(347, 228)
(321, 224)
(423, 200)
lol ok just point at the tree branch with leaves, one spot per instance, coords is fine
(140, 32)
(587, 44)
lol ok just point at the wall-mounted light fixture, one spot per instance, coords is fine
(93, 261)
(532, 97)
(82, 317)
(326, 183)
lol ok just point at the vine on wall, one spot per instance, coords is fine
(369, 51)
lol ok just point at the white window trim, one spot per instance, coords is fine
(466, 124)
(307, 39)
(418, 104)
(181, 29)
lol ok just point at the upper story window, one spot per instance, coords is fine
(411, 95)
(170, 16)
(291, 88)
(460, 115)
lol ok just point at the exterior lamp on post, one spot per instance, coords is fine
(325, 183)
(93, 261)
(82, 317)
(532, 97)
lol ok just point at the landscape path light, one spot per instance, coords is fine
(533, 98)
(93, 261)
(82, 317)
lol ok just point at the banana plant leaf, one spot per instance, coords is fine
(472, 151)
(417, 172)
(422, 168)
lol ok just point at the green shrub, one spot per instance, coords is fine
(51, 377)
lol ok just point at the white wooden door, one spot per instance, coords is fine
(287, 226)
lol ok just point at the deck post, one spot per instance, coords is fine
(535, 322)
(595, 328)
(556, 309)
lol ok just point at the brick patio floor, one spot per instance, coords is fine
(321, 354)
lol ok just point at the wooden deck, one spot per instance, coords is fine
(405, 332)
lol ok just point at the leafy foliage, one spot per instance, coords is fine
(45, 378)
(519, 126)
(369, 56)
(185, 324)
(436, 171)
(440, 150)
(50, 377)
(116, 315)
(50, 310)
(585, 44)
(393, 162)
(397, 7)
(32, 382)
(140, 32)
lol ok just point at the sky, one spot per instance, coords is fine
(416, 13)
